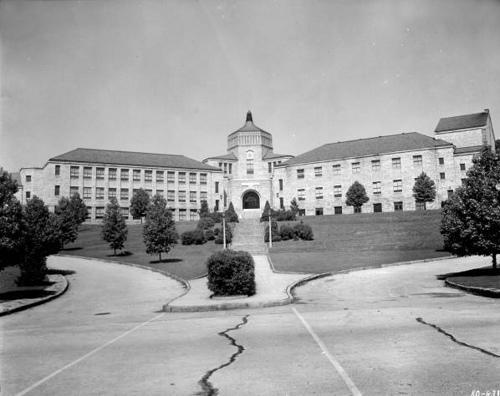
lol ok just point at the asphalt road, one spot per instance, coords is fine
(390, 331)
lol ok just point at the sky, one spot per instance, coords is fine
(177, 77)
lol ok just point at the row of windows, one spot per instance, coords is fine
(377, 207)
(271, 165)
(88, 173)
(227, 167)
(124, 193)
(183, 213)
(375, 165)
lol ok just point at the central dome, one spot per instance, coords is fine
(249, 134)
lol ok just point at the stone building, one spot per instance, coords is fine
(250, 173)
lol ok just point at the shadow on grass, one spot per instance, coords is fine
(125, 253)
(71, 249)
(20, 294)
(167, 260)
(56, 271)
(483, 271)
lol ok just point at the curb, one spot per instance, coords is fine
(60, 279)
(480, 291)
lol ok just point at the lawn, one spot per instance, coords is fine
(486, 277)
(187, 262)
(354, 241)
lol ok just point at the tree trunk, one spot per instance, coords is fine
(425, 205)
(160, 256)
(114, 252)
(494, 260)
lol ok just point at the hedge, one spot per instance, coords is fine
(231, 273)
(196, 237)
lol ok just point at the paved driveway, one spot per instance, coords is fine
(358, 333)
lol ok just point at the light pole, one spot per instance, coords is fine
(270, 229)
(224, 230)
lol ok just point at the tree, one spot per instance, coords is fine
(294, 206)
(139, 204)
(424, 189)
(266, 212)
(204, 211)
(159, 231)
(40, 238)
(356, 196)
(231, 215)
(78, 209)
(71, 213)
(471, 216)
(114, 229)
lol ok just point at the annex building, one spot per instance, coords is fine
(251, 173)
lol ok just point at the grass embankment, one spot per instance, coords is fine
(355, 241)
(187, 262)
(486, 277)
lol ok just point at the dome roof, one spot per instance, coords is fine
(249, 125)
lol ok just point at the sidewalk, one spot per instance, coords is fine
(272, 289)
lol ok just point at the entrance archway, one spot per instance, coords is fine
(251, 200)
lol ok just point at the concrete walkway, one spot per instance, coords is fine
(272, 289)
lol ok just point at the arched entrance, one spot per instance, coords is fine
(251, 200)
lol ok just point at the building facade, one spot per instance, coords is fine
(250, 173)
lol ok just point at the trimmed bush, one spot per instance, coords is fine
(209, 235)
(216, 217)
(284, 215)
(205, 223)
(217, 231)
(304, 231)
(231, 273)
(287, 232)
(275, 233)
(231, 215)
(196, 237)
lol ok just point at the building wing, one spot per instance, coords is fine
(467, 121)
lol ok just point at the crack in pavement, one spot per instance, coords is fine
(439, 329)
(206, 386)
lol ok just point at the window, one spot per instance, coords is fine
(357, 209)
(396, 163)
(159, 176)
(216, 187)
(159, 193)
(87, 192)
(112, 173)
(441, 161)
(225, 167)
(192, 178)
(99, 193)
(136, 174)
(375, 165)
(336, 169)
(192, 196)
(28, 194)
(302, 212)
(124, 212)
(99, 212)
(123, 193)
(300, 173)
(124, 174)
(301, 194)
(170, 177)
(99, 173)
(337, 210)
(171, 196)
(356, 167)
(450, 193)
(74, 172)
(73, 190)
(182, 214)
(193, 214)
(319, 192)
(464, 180)
(111, 193)
(203, 196)
(397, 185)
(148, 176)
(282, 203)
(182, 196)
(318, 211)
(216, 209)
(377, 187)
(89, 212)
(270, 167)
(377, 207)
(57, 190)
(249, 162)
(57, 170)
(149, 192)
(318, 171)
(398, 206)
(230, 168)
(87, 172)
(182, 177)
(337, 191)
(203, 178)
(442, 175)
(28, 178)
(462, 167)
(417, 160)
(420, 205)
(220, 165)
(280, 181)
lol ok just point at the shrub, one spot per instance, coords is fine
(304, 231)
(196, 237)
(229, 235)
(205, 223)
(231, 215)
(287, 232)
(209, 235)
(216, 217)
(284, 215)
(275, 233)
(231, 273)
(216, 231)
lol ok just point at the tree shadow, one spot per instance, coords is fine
(483, 271)
(70, 249)
(125, 253)
(167, 260)
(21, 294)
(56, 271)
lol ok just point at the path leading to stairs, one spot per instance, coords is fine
(249, 236)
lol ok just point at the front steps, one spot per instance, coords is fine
(249, 236)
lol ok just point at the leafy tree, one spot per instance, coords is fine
(11, 219)
(139, 204)
(67, 222)
(114, 229)
(424, 189)
(231, 215)
(78, 208)
(40, 238)
(159, 230)
(471, 217)
(266, 212)
(204, 211)
(356, 196)
(294, 206)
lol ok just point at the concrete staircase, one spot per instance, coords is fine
(249, 236)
